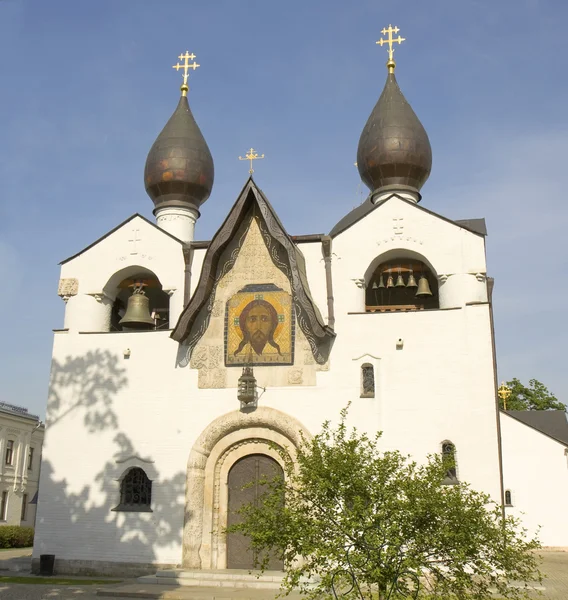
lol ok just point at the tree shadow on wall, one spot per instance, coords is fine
(75, 519)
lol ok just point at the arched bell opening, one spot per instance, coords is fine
(140, 303)
(401, 284)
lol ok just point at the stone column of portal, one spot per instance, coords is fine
(179, 221)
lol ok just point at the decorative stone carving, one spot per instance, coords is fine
(218, 309)
(443, 278)
(199, 358)
(68, 287)
(100, 297)
(295, 377)
(480, 277)
(360, 283)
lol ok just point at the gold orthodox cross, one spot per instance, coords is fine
(504, 392)
(252, 155)
(186, 66)
(390, 41)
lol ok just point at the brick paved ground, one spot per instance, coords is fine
(555, 567)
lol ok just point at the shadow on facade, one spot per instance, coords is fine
(80, 482)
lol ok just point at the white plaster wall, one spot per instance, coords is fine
(89, 310)
(536, 471)
(104, 408)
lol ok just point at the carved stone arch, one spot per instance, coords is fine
(222, 443)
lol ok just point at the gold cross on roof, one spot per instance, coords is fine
(390, 41)
(251, 155)
(186, 66)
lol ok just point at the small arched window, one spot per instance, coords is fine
(508, 498)
(449, 457)
(135, 491)
(367, 381)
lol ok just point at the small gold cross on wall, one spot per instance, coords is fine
(251, 155)
(390, 41)
(186, 66)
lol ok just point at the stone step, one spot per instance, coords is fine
(223, 578)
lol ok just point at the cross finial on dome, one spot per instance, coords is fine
(390, 41)
(251, 155)
(186, 66)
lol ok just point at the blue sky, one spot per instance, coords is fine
(87, 86)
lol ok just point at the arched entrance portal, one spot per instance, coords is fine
(244, 487)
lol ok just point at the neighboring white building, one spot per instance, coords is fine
(21, 439)
(147, 443)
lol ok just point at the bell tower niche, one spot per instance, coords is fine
(140, 304)
(401, 285)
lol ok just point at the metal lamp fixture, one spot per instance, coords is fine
(247, 386)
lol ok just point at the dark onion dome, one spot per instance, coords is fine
(394, 151)
(179, 169)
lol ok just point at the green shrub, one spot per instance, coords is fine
(14, 536)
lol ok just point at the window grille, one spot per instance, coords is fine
(135, 491)
(508, 498)
(9, 451)
(449, 456)
(367, 381)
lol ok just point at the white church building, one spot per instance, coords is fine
(181, 362)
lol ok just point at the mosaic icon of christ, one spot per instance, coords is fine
(258, 321)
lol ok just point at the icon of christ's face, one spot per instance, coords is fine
(259, 325)
(258, 322)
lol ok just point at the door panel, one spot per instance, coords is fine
(249, 469)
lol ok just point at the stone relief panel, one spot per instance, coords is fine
(283, 357)
(68, 287)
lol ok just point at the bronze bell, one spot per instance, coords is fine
(423, 288)
(381, 282)
(137, 314)
(411, 281)
(374, 286)
(390, 281)
(400, 281)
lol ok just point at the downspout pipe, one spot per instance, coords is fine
(188, 260)
(490, 285)
(326, 251)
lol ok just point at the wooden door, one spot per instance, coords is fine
(250, 469)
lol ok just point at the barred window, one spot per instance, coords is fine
(135, 491)
(9, 452)
(508, 499)
(367, 381)
(449, 456)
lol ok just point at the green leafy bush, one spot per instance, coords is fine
(14, 536)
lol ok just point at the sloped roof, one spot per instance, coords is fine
(116, 229)
(476, 226)
(552, 423)
(309, 317)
